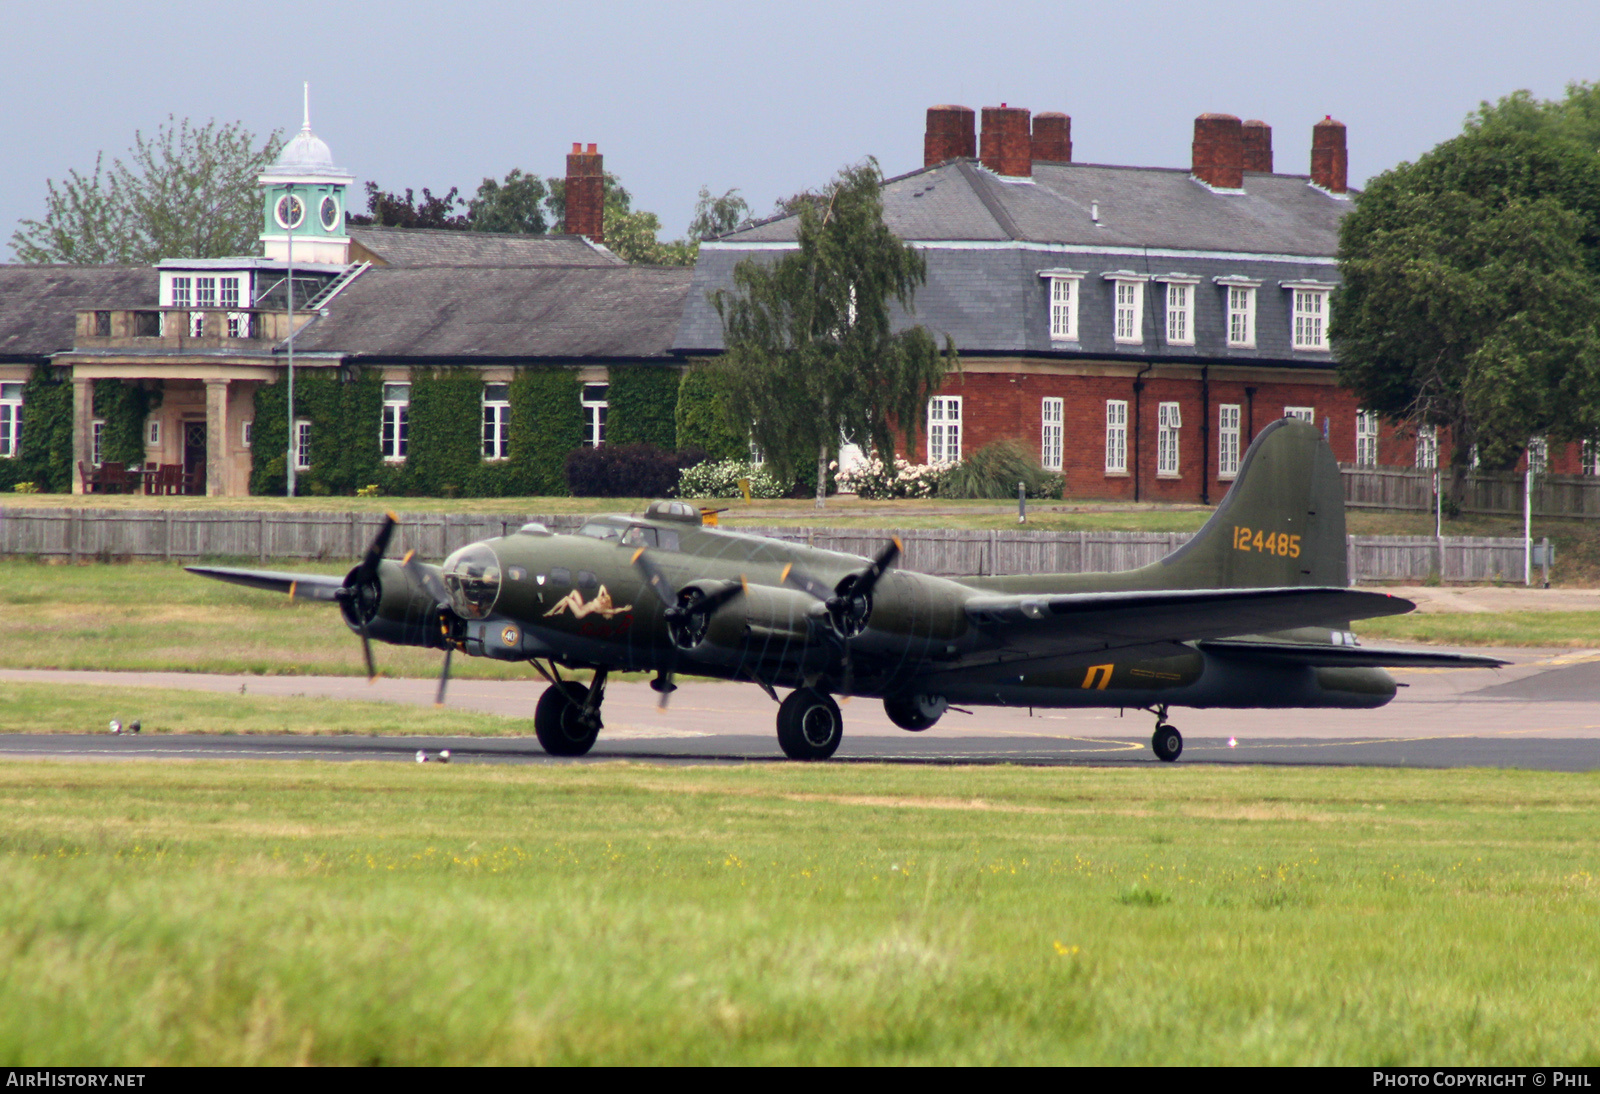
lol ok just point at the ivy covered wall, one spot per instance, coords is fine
(546, 424)
(642, 406)
(702, 419)
(344, 433)
(123, 406)
(45, 458)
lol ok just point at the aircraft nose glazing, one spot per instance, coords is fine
(472, 578)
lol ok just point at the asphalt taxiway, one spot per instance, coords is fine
(1542, 711)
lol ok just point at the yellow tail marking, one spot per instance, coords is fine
(292, 584)
(1102, 671)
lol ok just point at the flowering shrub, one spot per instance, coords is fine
(874, 481)
(721, 480)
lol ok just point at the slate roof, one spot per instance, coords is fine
(39, 304)
(438, 247)
(474, 313)
(986, 239)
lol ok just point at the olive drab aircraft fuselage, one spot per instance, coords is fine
(1253, 612)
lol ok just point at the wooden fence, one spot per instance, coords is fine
(1487, 492)
(187, 534)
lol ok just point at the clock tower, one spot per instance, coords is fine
(303, 193)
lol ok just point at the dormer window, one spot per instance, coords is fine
(1241, 305)
(1310, 311)
(1064, 294)
(1128, 305)
(1180, 308)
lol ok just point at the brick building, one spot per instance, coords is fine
(1135, 326)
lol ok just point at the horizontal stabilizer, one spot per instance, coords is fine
(1318, 655)
(299, 586)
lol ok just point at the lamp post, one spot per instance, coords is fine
(288, 220)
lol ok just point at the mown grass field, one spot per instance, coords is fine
(363, 913)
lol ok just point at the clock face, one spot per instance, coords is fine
(329, 211)
(290, 211)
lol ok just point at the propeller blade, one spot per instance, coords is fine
(655, 578)
(796, 578)
(665, 687)
(444, 677)
(366, 651)
(712, 601)
(425, 579)
(380, 544)
(881, 563)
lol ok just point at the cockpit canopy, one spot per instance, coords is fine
(472, 578)
(672, 510)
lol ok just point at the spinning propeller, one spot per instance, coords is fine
(430, 583)
(686, 613)
(849, 605)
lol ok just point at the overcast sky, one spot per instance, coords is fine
(766, 97)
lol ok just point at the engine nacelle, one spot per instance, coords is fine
(396, 611)
(766, 623)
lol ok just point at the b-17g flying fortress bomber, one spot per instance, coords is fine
(1253, 612)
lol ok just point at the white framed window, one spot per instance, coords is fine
(1427, 446)
(1538, 455)
(1310, 318)
(302, 444)
(1129, 311)
(182, 292)
(1116, 436)
(1064, 294)
(1180, 313)
(1169, 419)
(246, 431)
(594, 414)
(1591, 458)
(10, 419)
(1366, 438)
(1227, 440)
(1304, 413)
(152, 434)
(944, 429)
(197, 324)
(392, 437)
(496, 421)
(1050, 434)
(99, 427)
(228, 292)
(1241, 308)
(238, 324)
(205, 292)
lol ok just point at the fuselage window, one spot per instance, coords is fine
(560, 575)
(600, 531)
(587, 581)
(638, 536)
(669, 539)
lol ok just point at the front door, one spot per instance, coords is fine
(194, 457)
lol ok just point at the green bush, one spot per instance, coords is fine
(994, 470)
(720, 479)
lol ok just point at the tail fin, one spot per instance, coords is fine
(1281, 523)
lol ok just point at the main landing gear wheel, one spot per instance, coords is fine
(1167, 742)
(914, 712)
(809, 725)
(559, 723)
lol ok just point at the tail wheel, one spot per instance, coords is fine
(558, 720)
(810, 726)
(1168, 743)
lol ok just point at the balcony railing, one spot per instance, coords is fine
(184, 329)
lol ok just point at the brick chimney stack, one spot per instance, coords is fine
(1052, 137)
(1257, 146)
(1007, 141)
(586, 193)
(1330, 166)
(951, 134)
(1218, 151)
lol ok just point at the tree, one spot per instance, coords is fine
(810, 355)
(633, 235)
(717, 216)
(390, 210)
(516, 205)
(1470, 293)
(187, 192)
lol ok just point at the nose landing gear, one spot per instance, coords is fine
(1167, 741)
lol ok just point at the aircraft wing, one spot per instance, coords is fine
(1368, 657)
(1068, 622)
(299, 586)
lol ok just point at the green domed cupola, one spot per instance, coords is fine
(303, 196)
